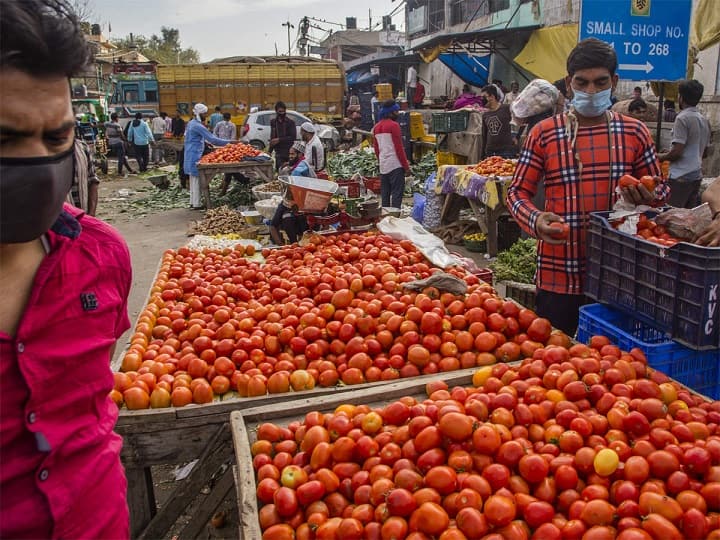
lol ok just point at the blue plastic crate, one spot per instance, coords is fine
(695, 369)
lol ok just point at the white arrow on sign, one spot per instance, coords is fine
(647, 67)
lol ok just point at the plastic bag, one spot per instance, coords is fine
(441, 281)
(418, 207)
(537, 97)
(427, 243)
(686, 223)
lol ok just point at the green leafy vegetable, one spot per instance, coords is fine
(517, 263)
(343, 165)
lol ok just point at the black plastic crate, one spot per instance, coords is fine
(698, 370)
(508, 232)
(676, 289)
(450, 122)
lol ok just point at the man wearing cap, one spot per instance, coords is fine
(196, 135)
(314, 151)
(389, 150)
(297, 166)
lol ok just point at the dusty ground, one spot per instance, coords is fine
(149, 231)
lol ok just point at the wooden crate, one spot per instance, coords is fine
(243, 425)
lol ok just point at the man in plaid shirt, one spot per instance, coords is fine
(579, 158)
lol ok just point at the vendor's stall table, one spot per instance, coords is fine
(262, 171)
(485, 196)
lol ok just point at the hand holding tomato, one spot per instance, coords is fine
(546, 230)
(637, 194)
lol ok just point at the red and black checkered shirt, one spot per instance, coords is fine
(548, 158)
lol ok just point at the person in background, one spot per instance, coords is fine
(467, 99)
(283, 133)
(512, 94)
(578, 158)
(497, 139)
(373, 102)
(392, 161)
(314, 151)
(412, 80)
(84, 191)
(64, 281)
(711, 235)
(117, 142)
(637, 93)
(563, 104)
(196, 134)
(286, 217)
(158, 131)
(177, 129)
(637, 108)
(670, 113)
(140, 136)
(226, 129)
(690, 140)
(215, 118)
(168, 122)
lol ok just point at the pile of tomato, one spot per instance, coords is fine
(334, 311)
(231, 153)
(648, 230)
(578, 443)
(495, 166)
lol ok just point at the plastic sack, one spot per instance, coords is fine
(433, 204)
(537, 97)
(686, 223)
(418, 207)
(427, 243)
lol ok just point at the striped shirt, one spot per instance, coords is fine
(547, 157)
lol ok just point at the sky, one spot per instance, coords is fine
(218, 28)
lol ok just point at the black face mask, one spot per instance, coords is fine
(32, 193)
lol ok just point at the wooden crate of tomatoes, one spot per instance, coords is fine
(222, 332)
(232, 154)
(579, 441)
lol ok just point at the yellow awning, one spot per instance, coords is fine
(546, 52)
(705, 31)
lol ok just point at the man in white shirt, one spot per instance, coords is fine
(512, 94)
(314, 151)
(226, 129)
(158, 130)
(412, 78)
(690, 139)
(168, 122)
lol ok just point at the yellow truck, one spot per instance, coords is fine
(242, 85)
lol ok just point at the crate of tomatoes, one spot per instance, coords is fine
(544, 449)
(230, 154)
(670, 284)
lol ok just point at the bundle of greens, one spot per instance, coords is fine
(425, 167)
(517, 263)
(343, 165)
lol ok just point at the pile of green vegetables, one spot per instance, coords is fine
(343, 165)
(517, 263)
(425, 167)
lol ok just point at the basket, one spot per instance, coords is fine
(673, 289)
(372, 184)
(523, 293)
(484, 274)
(352, 187)
(476, 246)
(508, 232)
(252, 217)
(449, 158)
(268, 207)
(309, 194)
(351, 206)
(450, 122)
(696, 369)
(261, 194)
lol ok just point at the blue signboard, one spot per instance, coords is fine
(650, 37)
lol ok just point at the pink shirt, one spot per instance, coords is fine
(61, 475)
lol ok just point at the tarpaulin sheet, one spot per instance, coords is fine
(472, 69)
(546, 52)
(705, 30)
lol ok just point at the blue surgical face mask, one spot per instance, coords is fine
(592, 105)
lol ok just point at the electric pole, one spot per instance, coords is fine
(289, 26)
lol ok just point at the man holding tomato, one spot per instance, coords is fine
(579, 157)
(64, 282)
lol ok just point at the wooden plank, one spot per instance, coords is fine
(247, 501)
(238, 498)
(140, 498)
(214, 499)
(213, 456)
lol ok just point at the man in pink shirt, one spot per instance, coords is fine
(389, 150)
(64, 282)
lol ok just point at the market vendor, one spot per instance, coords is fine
(287, 218)
(297, 166)
(196, 135)
(314, 151)
(579, 158)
